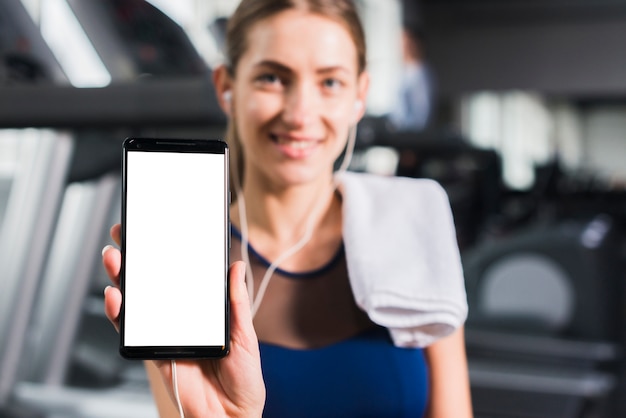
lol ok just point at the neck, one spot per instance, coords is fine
(282, 214)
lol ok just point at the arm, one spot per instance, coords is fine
(449, 378)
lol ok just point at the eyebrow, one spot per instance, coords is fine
(283, 68)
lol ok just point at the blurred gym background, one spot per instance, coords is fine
(517, 108)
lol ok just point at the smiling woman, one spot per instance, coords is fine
(302, 103)
(297, 64)
(360, 308)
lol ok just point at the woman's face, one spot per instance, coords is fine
(295, 93)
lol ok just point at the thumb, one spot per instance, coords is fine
(241, 315)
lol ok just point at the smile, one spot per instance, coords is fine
(290, 141)
(296, 143)
(294, 147)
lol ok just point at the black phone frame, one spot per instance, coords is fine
(212, 146)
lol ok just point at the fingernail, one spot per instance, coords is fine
(106, 248)
(105, 290)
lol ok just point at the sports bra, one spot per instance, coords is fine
(362, 376)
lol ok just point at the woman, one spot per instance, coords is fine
(294, 87)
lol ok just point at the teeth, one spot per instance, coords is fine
(296, 144)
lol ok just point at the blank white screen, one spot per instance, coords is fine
(175, 252)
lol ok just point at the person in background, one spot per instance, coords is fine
(414, 106)
(356, 294)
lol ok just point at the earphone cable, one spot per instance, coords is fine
(176, 394)
(306, 237)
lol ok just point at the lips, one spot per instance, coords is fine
(295, 143)
(294, 146)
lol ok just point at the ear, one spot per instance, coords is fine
(223, 86)
(363, 84)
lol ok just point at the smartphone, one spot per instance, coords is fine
(175, 241)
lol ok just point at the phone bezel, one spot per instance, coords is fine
(212, 146)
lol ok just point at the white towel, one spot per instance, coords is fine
(402, 256)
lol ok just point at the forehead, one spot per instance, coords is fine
(299, 38)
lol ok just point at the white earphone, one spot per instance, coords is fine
(358, 106)
(227, 96)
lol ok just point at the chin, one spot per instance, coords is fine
(301, 176)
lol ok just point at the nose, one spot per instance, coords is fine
(299, 106)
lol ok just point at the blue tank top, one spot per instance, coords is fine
(362, 376)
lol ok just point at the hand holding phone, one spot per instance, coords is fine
(174, 242)
(230, 386)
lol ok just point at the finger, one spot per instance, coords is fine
(112, 261)
(244, 362)
(112, 305)
(241, 314)
(116, 233)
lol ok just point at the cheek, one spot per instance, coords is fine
(340, 118)
(340, 111)
(261, 108)
(252, 113)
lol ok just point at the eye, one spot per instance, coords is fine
(268, 78)
(331, 83)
